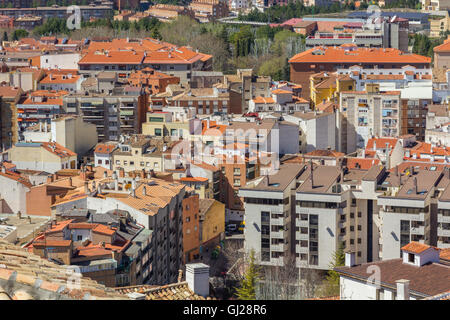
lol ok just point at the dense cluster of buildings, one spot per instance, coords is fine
(136, 159)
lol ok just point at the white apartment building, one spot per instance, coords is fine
(317, 131)
(371, 212)
(365, 114)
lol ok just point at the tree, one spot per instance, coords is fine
(332, 278)
(5, 36)
(247, 291)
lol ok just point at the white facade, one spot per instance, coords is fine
(60, 61)
(12, 195)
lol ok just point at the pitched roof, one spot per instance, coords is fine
(40, 279)
(104, 148)
(359, 55)
(427, 280)
(416, 247)
(175, 291)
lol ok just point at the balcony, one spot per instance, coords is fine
(418, 230)
(442, 218)
(277, 247)
(277, 221)
(443, 232)
(301, 236)
(277, 234)
(301, 223)
(300, 249)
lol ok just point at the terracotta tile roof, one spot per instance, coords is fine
(60, 78)
(58, 149)
(444, 254)
(263, 100)
(360, 55)
(194, 179)
(381, 143)
(21, 270)
(445, 47)
(9, 92)
(176, 291)
(113, 57)
(325, 153)
(105, 148)
(361, 163)
(416, 247)
(17, 177)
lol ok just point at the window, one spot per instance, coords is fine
(99, 161)
(158, 132)
(79, 237)
(237, 182)
(237, 171)
(411, 257)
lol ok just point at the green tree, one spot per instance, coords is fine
(247, 290)
(332, 278)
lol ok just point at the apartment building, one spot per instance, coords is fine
(386, 33)
(39, 106)
(317, 131)
(435, 5)
(267, 217)
(70, 132)
(167, 12)
(13, 191)
(42, 156)
(327, 86)
(209, 10)
(139, 152)
(156, 204)
(165, 124)
(330, 59)
(281, 100)
(113, 114)
(9, 131)
(248, 85)
(443, 219)
(27, 78)
(439, 136)
(140, 54)
(409, 212)
(208, 100)
(102, 251)
(56, 80)
(442, 55)
(62, 12)
(103, 155)
(365, 114)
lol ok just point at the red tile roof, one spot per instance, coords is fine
(360, 55)
(416, 247)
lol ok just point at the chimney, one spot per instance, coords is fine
(415, 185)
(86, 187)
(350, 259)
(116, 181)
(105, 174)
(388, 151)
(311, 177)
(133, 188)
(70, 182)
(144, 175)
(180, 275)
(3, 169)
(402, 289)
(144, 191)
(197, 278)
